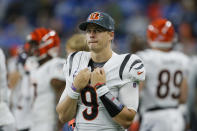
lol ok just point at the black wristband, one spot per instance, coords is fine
(112, 105)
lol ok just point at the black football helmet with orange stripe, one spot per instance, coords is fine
(42, 42)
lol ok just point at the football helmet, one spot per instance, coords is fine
(42, 42)
(160, 33)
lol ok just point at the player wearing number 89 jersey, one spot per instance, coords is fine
(165, 87)
(165, 73)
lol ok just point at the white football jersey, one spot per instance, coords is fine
(44, 105)
(5, 115)
(120, 70)
(22, 95)
(164, 74)
(22, 100)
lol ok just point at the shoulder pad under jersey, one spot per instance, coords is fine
(75, 59)
(69, 63)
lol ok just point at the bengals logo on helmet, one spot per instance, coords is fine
(94, 16)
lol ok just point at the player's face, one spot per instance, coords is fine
(98, 38)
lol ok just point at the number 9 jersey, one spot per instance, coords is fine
(123, 73)
(165, 72)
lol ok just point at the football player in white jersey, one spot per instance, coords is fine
(44, 45)
(165, 87)
(6, 118)
(101, 86)
(22, 94)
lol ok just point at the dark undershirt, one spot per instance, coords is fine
(94, 65)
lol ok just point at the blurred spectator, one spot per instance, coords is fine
(187, 40)
(154, 10)
(63, 16)
(137, 44)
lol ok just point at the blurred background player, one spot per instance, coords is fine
(21, 98)
(165, 88)
(44, 46)
(6, 118)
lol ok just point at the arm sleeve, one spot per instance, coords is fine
(129, 95)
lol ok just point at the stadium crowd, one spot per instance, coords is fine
(19, 17)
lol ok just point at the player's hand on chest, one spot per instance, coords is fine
(85, 77)
(81, 79)
(97, 76)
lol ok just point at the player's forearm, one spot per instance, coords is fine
(125, 117)
(67, 109)
(120, 114)
(56, 83)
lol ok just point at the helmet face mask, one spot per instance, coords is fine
(33, 48)
(43, 42)
(160, 34)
